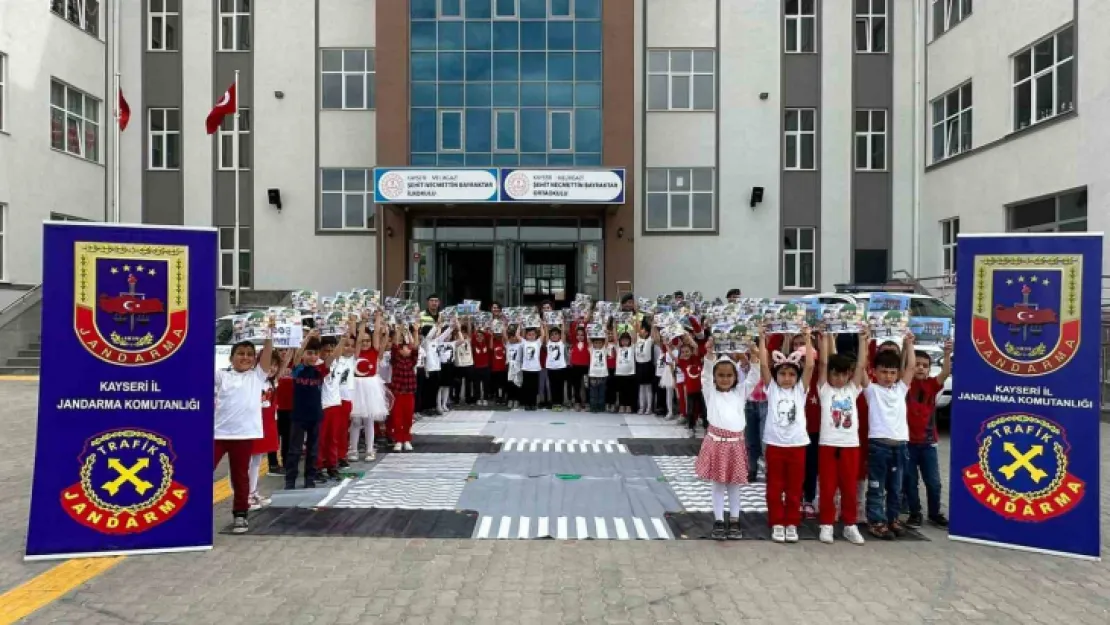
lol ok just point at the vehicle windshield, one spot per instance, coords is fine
(929, 307)
(224, 331)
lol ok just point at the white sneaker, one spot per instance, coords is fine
(826, 534)
(778, 534)
(254, 503)
(352, 457)
(852, 535)
(396, 446)
(791, 534)
(408, 446)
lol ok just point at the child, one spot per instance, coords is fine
(530, 366)
(464, 361)
(308, 411)
(680, 356)
(665, 372)
(888, 434)
(785, 436)
(921, 410)
(556, 366)
(283, 398)
(238, 421)
(480, 389)
(579, 365)
(369, 397)
(333, 423)
(598, 373)
(626, 373)
(755, 417)
(403, 387)
(429, 347)
(269, 441)
(839, 384)
(691, 365)
(499, 370)
(611, 363)
(514, 351)
(645, 368)
(447, 375)
(722, 459)
(346, 362)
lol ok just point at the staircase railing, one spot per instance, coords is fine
(19, 300)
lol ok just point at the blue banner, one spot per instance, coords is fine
(1025, 409)
(123, 458)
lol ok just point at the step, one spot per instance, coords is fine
(24, 362)
(35, 346)
(18, 371)
(29, 353)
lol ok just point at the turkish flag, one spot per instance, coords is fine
(130, 305)
(124, 111)
(226, 106)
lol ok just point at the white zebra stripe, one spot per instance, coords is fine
(600, 529)
(641, 531)
(660, 528)
(542, 531)
(573, 528)
(622, 531)
(562, 525)
(483, 528)
(580, 528)
(522, 531)
(503, 530)
(536, 445)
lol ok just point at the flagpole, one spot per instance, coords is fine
(235, 159)
(119, 113)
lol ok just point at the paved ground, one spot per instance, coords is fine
(343, 580)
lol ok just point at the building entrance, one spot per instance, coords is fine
(467, 273)
(548, 274)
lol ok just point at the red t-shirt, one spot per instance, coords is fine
(921, 404)
(481, 353)
(497, 363)
(580, 354)
(366, 365)
(283, 397)
(692, 370)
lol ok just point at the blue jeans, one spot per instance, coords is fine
(885, 465)
(755, 415)
(922, 457)
(597, 394)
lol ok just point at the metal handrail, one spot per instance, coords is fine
(31, 291)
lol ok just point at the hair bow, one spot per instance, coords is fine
(793, 359)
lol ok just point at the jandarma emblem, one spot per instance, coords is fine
(131, 302)
(1026, 311)
(1022, 472)
(126, 483)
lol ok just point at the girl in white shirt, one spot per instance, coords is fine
(556, 366)
(514, 349)
(464, 363)
(785, 434)
(645, 367)
(598, 373)
(625, 373)
(723, 458)
(531, 366)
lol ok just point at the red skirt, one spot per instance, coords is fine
(721, 461)
(268, 444)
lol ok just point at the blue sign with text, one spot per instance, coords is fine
(1025, 409)
(123, 458)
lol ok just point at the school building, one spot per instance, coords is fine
(527, 149)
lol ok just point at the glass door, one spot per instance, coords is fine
(590, 269)
(422, 268)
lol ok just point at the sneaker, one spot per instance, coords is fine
(880, 531)
(719, 531)
(791, 534)
(254, 504)
(898, 529)
(852, 535)
(397, 446)
(408, 446)
(352, 457)
(734, 532)
(914, 520)
(239, 525)
(334, 475)
(938, 520)
(343, 464)
(371, 457)
(276, 471)
(826, 534)
(670, 417)
(778, 534)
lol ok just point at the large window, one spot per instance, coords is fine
(225, 142)
(679, 199)
(952, 123)
(163, 20)
(871, 26)
(472, 63)
(799, 254)
(870, 140)
(74, 122)
(84, 14)
(235, 25)
(801, 25)
(347, 79)
(681, 80)
(1044, 79)
(227, 257)
(800, 141)
(346, 199)
(949, 233)
(3, 87)
(165, 138)
(948, 13)
(1066, 212)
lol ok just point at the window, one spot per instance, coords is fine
(870, 140)
(74, 122)
(3, 242)
(163, 19)
(84, 14)
(3, 85)
(164, 126)
(871, 26)
(948, 13)
(559, 9)
(801, 26)
(952, 123)
(451, 131)
(798, 254)
(346, 199)
(560, 129)
(1044, 79)
(1063, 213)
(227, 257)
(225, 146)
(679, 199)
(504, 8)
(449, 9)
(949, 231)
(505, 129)
(681, 80)
(347, 79)
(235, 25)
(800, 151)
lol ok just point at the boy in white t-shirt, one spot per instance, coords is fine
(839, 383)
(888, 433)
(238, 418)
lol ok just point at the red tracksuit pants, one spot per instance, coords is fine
(400, 418)
(786, 473)
(331, 435)
(345, 433)
(239, 462)
(837, 468)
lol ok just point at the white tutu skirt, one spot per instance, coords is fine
(370, 398)
(667, 379)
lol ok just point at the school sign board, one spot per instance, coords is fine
(1025, 409)
(123, 458)
(412, 185)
